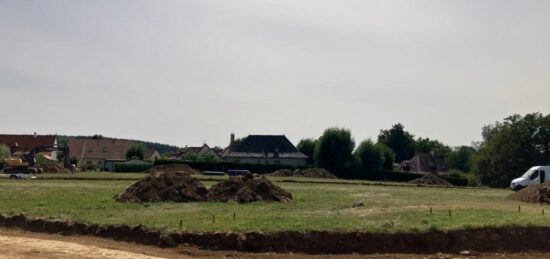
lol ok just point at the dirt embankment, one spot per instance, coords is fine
(309, 172)
(248, 188)
(516, 239)
(176, 186)
(179, 186)
(431, 179)
(539, 193)
(54, 168)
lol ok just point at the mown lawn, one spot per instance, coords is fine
(316, 206)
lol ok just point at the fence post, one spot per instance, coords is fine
(213, 218)
(431, 212)
(234, 215)
(181, 224)
(519, 208)
(450, 213)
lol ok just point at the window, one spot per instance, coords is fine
(91, 149)
(534, 175)
(104, 149)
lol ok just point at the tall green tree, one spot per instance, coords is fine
(511, 147)
(389, 156)
(307, 147)
(137, 150)
(4, 153)
(370, 156)
(432, 146)
(461, 158)
(400, 141)
(334, 148)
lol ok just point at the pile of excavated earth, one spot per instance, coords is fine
(179, 186)
(430, 179)
(309, 172)
(539, 193)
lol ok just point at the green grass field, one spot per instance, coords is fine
(316, 206)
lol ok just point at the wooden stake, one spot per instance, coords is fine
(431, 211)
(234, 215)
(450, 214)
(181, 224)
(519, 209)
(213, 219)
(543, 212)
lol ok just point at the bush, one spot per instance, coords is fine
(132, 167)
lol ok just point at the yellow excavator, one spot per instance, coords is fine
(25, 164)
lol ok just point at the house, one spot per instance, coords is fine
(203, 153)
(20, 144)
(424, 163)
(100, 153)
(264, 149)
(151, 154)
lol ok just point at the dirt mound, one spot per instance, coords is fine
(431, 179)
(534, 193)
(54, 168)
(165, 186)
(309, 172)
(248, 188)
(172, 168)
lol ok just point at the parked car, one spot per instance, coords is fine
(535, 175)
(17, 175)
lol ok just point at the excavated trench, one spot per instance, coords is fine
(512, 239)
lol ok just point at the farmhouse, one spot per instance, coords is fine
(424, 163)
(264, 149)
(20, 144)
(204, 153)
(101, 153)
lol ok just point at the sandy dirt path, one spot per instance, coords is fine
(20, 244)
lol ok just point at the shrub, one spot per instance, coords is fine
(132, 167)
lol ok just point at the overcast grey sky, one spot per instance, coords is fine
(182, 72)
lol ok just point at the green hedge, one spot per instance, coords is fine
(224, 166)
(124, 167)
(345, 173)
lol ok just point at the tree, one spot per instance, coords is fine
(399, 140)
(307, 147)
(137, 150)
(461, 158)
(428, 145)
(334, 148)
(511, 147)
(389, 156)
(4, 153)
(370, 155)
(97, 136)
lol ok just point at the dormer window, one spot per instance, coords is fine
(104, 149)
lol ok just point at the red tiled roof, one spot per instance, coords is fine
(27, 142)
(108, 149)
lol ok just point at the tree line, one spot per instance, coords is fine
(506, 151)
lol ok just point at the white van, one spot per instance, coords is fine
(535, 175)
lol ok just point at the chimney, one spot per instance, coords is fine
(232, 139)
(35, 134)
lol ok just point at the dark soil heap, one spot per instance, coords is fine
(172, 168)
(309, 172)
(174, 186)
(539, 193)
(431, 179)
(248, 188)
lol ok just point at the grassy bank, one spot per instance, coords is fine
(316, 206)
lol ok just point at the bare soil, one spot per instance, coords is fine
(539, 193)
(309, 172)
(54, 168)
(176, 186)
(431, 179)
(246, 189)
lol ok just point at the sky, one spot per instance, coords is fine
(187, 72)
